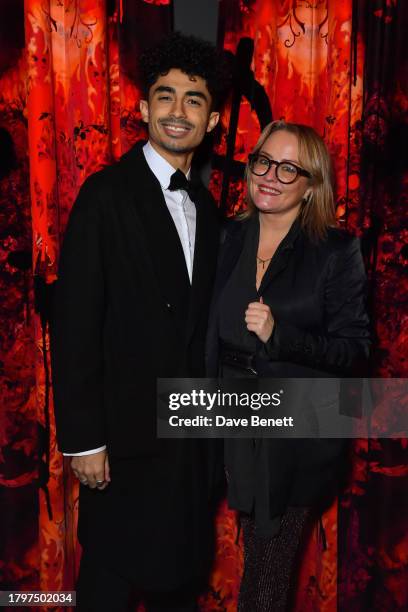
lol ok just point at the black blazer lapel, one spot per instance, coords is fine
(160, 233)
(277, 265)
(281, 258)
(230, 252)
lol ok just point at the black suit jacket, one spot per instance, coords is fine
(316, 292)
(125, 312)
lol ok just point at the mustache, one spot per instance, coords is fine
(176, 122)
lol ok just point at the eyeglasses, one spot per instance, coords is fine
(286, 172)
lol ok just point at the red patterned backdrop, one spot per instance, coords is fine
(68, 105)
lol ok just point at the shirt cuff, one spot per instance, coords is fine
(90, 452)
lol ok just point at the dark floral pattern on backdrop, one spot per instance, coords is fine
(341, 67)
(69, 105)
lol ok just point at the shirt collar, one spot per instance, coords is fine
(160, 167)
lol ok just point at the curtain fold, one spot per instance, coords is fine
(69, 98)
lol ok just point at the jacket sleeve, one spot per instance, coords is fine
(343, 348)
(77, 328)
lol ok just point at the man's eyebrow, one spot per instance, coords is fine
(164, 88)
(197, 94)
(190, 93)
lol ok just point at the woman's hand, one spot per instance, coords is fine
(259, 319)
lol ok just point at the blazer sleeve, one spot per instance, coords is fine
(77, 328)
(342, 349)
(344, 345)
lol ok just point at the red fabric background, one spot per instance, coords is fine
(68, 104)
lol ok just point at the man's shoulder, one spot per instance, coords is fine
(205, 196)
(102, 178)
(111, 178)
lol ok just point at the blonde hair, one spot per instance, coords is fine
(317, 212)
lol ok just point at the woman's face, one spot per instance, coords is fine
(267, 193)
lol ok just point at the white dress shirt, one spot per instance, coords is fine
(183, 213)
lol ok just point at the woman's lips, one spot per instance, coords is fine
(268, 190)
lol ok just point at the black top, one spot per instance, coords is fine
(316, 292)
(249, 491)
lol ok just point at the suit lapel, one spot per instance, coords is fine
(281, 258)
(232, 249)
(159, 232)
(205, 257)
(277, 265)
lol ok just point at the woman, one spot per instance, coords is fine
(289, 302)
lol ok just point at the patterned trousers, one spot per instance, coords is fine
(270, 563)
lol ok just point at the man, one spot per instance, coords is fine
(135, 279)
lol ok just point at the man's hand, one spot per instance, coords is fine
(259, 319)
(92, 470)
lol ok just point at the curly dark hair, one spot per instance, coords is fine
(192, 55)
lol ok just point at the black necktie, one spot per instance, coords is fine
(179, 180)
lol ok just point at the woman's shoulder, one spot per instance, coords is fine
(339, 239)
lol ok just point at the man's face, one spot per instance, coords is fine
(178, 113)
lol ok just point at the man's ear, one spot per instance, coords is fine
(212, 121)
(144, 110)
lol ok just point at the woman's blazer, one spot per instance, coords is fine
(316, 292)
